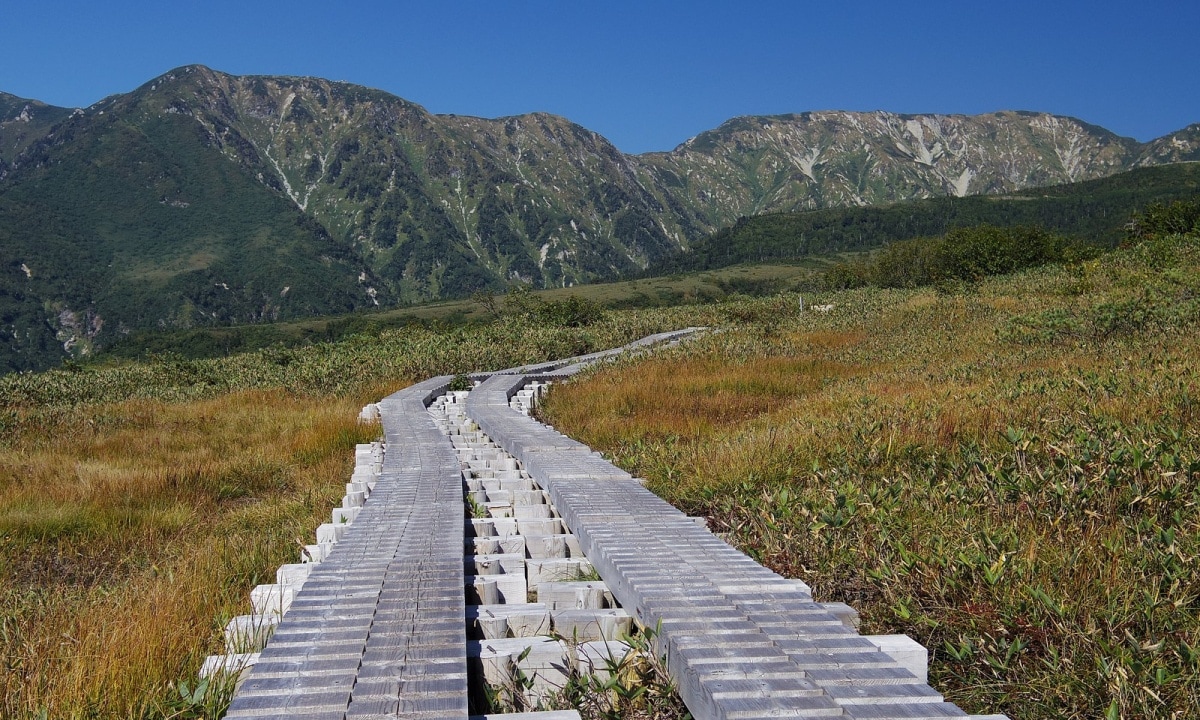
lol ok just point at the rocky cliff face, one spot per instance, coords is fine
(826, 159)
(23, 122)
(1180, 146)
(438, 204)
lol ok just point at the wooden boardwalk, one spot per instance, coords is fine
(378, 628)
(740, 640)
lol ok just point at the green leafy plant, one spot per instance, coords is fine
(460, 382)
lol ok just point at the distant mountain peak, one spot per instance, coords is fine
(421, 206)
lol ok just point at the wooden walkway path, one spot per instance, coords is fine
(378, 628)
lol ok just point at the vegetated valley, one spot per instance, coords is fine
(140, 503)
(973, 418)
(207, 199)
(1002, 466)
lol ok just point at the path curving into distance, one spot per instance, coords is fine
(403, 609)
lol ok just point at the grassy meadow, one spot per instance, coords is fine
(1004, 470)
(652, 292)
(140, 503)
(132, 530)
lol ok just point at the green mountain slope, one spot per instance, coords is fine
(438, 205)
(124, 219)
(206, 198)
(1096, 210)
(21, 123)
(1180, 146)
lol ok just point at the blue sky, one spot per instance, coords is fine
(647, 75)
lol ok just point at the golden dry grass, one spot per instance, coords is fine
(1007, 475)
(140, 502)
(686, 397)
(131, 530)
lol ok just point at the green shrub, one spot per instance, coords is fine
(1175, 218)
(460, 382)
(961, 255)
(573, 312)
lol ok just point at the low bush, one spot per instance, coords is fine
(963, 254)
(1157, 219)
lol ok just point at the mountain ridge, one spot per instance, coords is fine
(202, 197)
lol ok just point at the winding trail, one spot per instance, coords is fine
(378, 627)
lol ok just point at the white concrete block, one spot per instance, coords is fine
(499, 510)
(843, 612)
(249, 633)
(344, 515)
(293, 574)
(505, 526)
(540, 511)
(499, 496)
(508, 545)
(316, 553)
(329, 532)
(492, 627)
(529, 497)
(481, 527)
(571, 595)
(593, 624)
(496, 589)
(495, 564)
(513, 588)
(482, 590)
(599, 657)
(539, 526)
(556, 570)
(271, 599)
(240, 663)
(522, 619)
(907, 652)
(546, 664)
(546, 546)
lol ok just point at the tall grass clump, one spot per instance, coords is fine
(1007, 472)
(131, 530)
